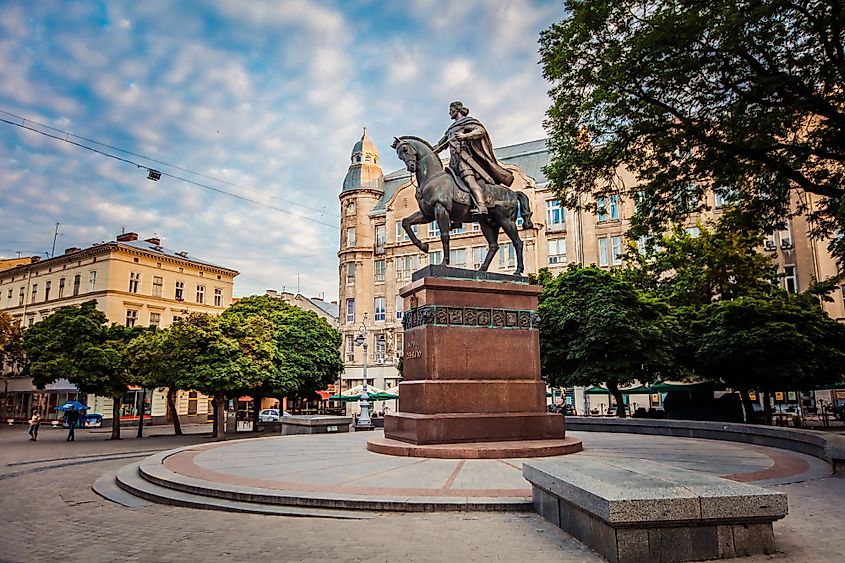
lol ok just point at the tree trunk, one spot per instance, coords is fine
(219, 416)
(613, 387)
(747, 406)
(767, 407)
(115, 418)
(174, 414)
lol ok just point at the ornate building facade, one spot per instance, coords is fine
(376, 257)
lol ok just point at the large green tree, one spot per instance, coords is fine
(768, 343)
(221, 356)
(308, 348)
(77, 343)
(745, 97)
(596, 327)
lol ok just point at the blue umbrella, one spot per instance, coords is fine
(75, 404)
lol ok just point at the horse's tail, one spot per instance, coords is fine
(525, 210)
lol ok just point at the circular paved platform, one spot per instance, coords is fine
(337, 471)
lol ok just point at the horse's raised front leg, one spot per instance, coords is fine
(491, 235)
(415, 219)
(443, 221)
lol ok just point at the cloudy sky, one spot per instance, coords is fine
(262, 99)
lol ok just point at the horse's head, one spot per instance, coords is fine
(406, 151)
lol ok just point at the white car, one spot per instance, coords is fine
(271, 415)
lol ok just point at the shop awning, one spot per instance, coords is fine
(324, 395)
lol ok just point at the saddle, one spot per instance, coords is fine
(463, 195)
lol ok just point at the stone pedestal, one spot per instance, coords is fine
(471, 363)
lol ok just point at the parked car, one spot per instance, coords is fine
(271, 415)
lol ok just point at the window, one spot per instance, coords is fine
(399, 345)
(134, 282)
(193, 402)
(77, 280)
(724, 197)
(603, 259)
(131, 317)
(350, 237)
(47, 286)
(158, 286)
(435, 257)
(557, 251)
(642, 244)
(155, 319)
(380, 348)
(555, 216)
(405, 266)
(9, 296)
(785, 238)
(790, 281)
(92, 280)
(507, 255)
(61, 288)
(378, 271)
(350, 208)
(180, 291)
(694, 232)
(476, 227)
(478, 255)
(350, 273)
(176, 318)
(616, 247)
(458, 257)
(687, 199)
(433, 229)
(843, 294)
(601, 209)
(614, 208)
(218, 296)
(401, 234)
(200, 294)
(350, 310)
(34, 292)
(21, 296)
(459, 230)
(400, 303)
(380, 236)
(378, 305)
(350, 348)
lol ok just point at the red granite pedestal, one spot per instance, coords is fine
(471, 379)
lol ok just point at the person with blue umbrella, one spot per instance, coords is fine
(72, 418)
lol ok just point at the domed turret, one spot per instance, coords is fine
(364, 171)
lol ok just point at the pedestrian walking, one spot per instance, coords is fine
(71, 417)
(34, 425)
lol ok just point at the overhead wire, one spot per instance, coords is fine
(149, 158)
(174, 176)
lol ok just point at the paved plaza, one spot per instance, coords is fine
(51, 512)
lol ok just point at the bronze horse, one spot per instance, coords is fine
(437, 193)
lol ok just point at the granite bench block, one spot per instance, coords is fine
(637, 510)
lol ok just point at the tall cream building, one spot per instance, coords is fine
(376, 257)
(135, 283)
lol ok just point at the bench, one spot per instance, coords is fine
(638, 510)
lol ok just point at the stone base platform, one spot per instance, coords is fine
(477, 450)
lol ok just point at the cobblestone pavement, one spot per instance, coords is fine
(49, 512)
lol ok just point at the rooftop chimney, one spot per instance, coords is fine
(34, 259)
(127, 237)
(155, 241)
(72, 249)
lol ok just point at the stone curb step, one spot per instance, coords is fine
(130, 481)
(152, 470)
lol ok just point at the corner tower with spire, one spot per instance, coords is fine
(363, 188)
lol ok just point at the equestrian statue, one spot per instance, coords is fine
(473, 188)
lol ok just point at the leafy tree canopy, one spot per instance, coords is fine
(744, 97)
(688, 270)
(10, 340)
(598, 328)
(307, 347)
(786, 342)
